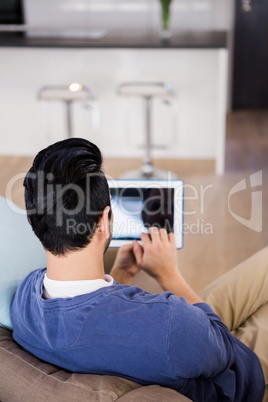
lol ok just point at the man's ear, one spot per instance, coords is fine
(104, 223)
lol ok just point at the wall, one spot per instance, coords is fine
(193, 128)
(137, 17)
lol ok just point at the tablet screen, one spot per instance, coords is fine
(140, 204)
(136, 209)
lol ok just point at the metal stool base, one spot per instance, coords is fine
(155, 174)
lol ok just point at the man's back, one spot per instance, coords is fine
(122, 330)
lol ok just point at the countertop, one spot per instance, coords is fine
(187, 40)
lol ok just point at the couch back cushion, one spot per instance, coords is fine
(23, 377)
(20, 253)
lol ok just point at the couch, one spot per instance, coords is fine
(24, 378)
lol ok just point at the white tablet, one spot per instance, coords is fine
(139, 204)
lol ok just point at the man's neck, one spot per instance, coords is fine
(84, 264)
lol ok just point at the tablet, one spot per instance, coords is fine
(140, 204)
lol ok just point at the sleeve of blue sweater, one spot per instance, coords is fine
(208, 344)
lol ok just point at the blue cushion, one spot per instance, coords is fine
(20, 253)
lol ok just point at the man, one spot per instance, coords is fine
(73, 315)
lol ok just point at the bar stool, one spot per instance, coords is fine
(67, 94)
(147, 91)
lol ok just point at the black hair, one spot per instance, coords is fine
(65, 194)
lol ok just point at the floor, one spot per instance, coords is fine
(218, 235)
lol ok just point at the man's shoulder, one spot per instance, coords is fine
(30, 283)
(33, 276)
(137, 295)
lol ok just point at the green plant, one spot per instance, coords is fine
(165, 4)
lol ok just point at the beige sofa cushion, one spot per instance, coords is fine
(25, 378)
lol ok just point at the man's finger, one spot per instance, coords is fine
(163, 235)
(171, 238)
(155, 235)
(145, 238)
(127, 247)
(138, 252)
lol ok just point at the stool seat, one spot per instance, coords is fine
(147, 91)
(67, 94)
(72, 92)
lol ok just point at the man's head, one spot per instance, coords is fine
(66, 194)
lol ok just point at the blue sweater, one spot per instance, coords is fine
(122, 330)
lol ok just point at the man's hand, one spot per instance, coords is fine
(158, 256)
(125, 266)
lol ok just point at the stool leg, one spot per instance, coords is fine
(69, 119)
(147, 167)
